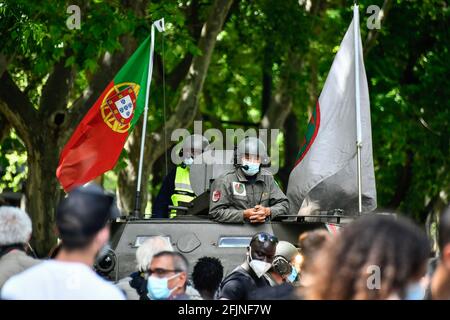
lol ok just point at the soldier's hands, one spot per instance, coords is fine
(248, 213)
(254, 216)
(257, 214)
(257, 218)
(263, 210)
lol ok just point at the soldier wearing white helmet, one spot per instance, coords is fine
(247, 193)
(176, 186)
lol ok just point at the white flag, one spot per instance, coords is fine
(326, 169)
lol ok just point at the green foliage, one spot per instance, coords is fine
(13, 169)
(407, 72)
(409, 97)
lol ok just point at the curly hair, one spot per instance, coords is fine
(207, 274)
(396, 246)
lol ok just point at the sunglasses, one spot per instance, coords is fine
(264, 237)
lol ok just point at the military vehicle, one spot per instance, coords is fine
(196, 236)
(193, 234)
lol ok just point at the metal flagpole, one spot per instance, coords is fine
(358, 103)
(159, 24)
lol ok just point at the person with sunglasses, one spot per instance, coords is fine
(248, 277)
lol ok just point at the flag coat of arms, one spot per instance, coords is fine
(97, 142)
(326, 169)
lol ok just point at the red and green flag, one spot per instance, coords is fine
(97, 142)
(325, 174)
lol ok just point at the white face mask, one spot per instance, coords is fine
(258, 266)
(188, 161)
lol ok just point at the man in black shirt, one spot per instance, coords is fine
(246, 278)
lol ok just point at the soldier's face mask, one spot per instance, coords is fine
(250, 165)
(188, 161)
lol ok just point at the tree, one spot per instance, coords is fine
(47, 68)
(242, 64)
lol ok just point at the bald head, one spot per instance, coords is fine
(263, 247)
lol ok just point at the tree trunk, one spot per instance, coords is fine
(291, 148)
(45, 128)
(404, 181)
(41, 192)
(182, 116)
(5, 128)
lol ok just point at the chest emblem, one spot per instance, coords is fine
(239, 189)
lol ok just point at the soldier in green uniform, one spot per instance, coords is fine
(248, 192)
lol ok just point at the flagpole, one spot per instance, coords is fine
(159, 24)
(358, 103)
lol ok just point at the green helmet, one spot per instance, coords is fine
(252, 146)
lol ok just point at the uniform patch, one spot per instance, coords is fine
(239, 189)
(216, 196)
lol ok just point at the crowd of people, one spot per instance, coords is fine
(374, 257)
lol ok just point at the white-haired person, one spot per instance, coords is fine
(135, 285)
(15, 232)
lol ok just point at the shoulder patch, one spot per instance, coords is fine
(239, 189)
(216, 195)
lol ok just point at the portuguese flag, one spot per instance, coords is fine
(97, 142)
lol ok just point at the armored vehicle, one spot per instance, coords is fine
(193, 234)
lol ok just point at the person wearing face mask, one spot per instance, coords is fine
(247, 193)
(167, 277)
(283, 266)
(176, 186)
(249, 276)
